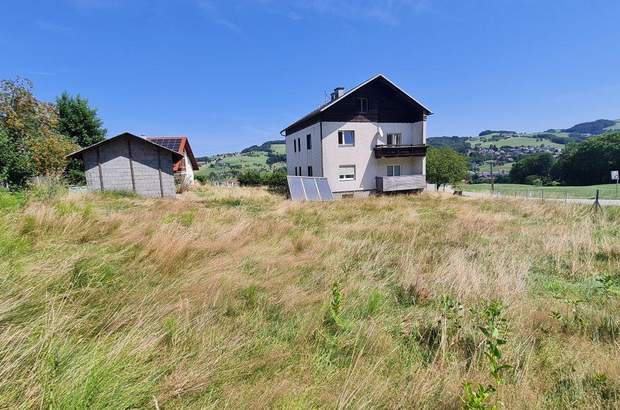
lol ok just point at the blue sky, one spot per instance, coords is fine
(233, 73)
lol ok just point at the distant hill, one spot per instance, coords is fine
(267, 157)
(551, 137)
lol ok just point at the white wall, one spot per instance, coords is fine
(362, 154)
(326, 157)
(189, 171)
(305, 157)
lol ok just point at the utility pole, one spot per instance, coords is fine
(492, 178)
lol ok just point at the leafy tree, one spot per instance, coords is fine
(445, 166)
(78, 121)
(30, 143)
(589, 162)
(531, 167)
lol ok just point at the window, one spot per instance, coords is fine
(296, 171)
(393, 170)
(298, 144)
(346, 173)
(363, 104)
(309, 141)
(346, 138)
(394, 139)
(309, 171)
(294, 145)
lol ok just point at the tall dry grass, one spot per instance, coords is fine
(219, 299)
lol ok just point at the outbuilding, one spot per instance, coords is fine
(127, 162)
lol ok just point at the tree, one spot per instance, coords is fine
(445, 166)
(78, 121)
(589, 162)
(30, 143)
(532, 167)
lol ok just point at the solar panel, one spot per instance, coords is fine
(309, 189)
(324, 190)
(312, 192)
(296, 188)
(170, 143)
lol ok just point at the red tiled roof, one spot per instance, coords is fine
(179, 144)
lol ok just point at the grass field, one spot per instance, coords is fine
(514, 142)
(237, 298)
(607, 191)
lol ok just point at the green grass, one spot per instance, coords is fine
(607, 191)
(238, 298)
(486, 167)
(513, 142)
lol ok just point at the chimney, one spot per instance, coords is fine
(338, 92)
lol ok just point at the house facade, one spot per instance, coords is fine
(130, 163)
(184, 168)
(369, 139)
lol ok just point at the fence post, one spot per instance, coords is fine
(542, 195)
(565, 197)
(597, 204)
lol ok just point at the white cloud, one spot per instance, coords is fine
(214, 14)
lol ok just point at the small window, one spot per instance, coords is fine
(346, 173)
(294, 145)
(309, 141)
(393, 170)
(346, 138)
(363, 104)
(394, 139)
(309, 171)
(298, 144)
(296, 171)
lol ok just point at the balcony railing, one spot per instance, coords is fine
(391, 151)
(401, 183)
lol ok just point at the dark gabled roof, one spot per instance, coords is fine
(325, 106)
(78, 154)
(179, 144)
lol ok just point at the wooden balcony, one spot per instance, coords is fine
(392, 151)
(401, 183)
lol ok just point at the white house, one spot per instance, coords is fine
(185, 167)
(369, 139)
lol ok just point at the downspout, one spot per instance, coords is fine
(321, 145)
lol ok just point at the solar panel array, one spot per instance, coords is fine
(309, 189)
(170, 143)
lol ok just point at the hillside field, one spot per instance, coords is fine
(255, 158)
(520, 141)
(237, 298)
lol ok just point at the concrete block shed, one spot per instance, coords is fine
(127, 162)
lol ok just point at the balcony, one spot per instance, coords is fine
(392, 151)
(401, 183)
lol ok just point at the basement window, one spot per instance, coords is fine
(346, 173)
(346, 138)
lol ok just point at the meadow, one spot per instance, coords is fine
(606, 191)
(238, 298)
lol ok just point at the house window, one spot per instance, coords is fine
(346, 138)
(309, 171)
(309, 141)
(393, 170)
(298, 144)
(363, 104)
(346, 173)
(394, 139)
(295, 145)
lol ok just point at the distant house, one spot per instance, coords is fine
(183, 168)
(369, 139)
(127, 162)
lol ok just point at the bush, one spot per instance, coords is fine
(201, 178)
(250, 177)
(531, 167)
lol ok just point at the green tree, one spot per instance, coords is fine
(535, 166)
(445, 166)
(589, 162)
(78, 121)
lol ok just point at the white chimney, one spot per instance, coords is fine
(338, 92)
